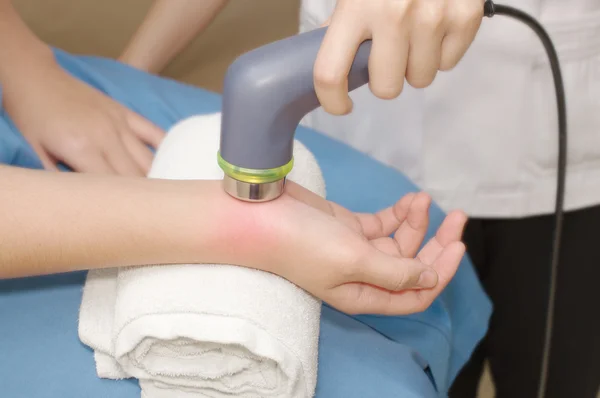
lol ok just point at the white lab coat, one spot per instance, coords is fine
(483, 137)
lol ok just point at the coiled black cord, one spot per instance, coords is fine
(491, 9)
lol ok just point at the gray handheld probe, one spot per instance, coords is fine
(266, 93)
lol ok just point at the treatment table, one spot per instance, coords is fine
(359, 356)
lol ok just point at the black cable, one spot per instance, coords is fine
(491, 9)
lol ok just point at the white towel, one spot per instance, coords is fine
(204, 330)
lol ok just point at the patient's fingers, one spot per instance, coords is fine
(450, 231)
(444, 253)
(393, 273)
(386, 245)
(403, 293)
(411, 232)
(452, 228)
(445, 266)
(381, 224)
(386, 221)
(377, 299)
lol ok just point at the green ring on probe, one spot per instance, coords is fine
(254, 176)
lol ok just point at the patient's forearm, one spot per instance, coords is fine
(57, 222)
(168, 28)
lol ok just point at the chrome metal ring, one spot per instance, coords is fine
(252, 192)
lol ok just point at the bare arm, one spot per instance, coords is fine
(53, 110)
(59, 222)
(21, 52)
(168, 28)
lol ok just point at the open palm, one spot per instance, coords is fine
(350, 260)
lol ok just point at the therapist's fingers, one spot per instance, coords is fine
(464, 21)
(47, 161)
(119, 157)
(145, 130)
(88, 161)
(427, 32)
(334, 60)
(388, 59)
(138, 150)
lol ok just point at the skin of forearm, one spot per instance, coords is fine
(23, 58)
(54, 222)
(168, 28)
(21, 52)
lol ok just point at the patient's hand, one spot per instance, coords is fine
(67, 121)
(348, 259)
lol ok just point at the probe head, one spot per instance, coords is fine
(253, 192)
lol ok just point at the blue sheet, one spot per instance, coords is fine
(360, 357)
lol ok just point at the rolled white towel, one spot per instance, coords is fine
(204, 330)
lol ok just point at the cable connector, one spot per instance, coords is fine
(489, 8)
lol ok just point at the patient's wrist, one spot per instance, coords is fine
(225, 230)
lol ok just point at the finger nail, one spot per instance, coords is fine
(427, 279)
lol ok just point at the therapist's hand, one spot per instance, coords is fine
(348, 259)
(412, 39)
(67, 121)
